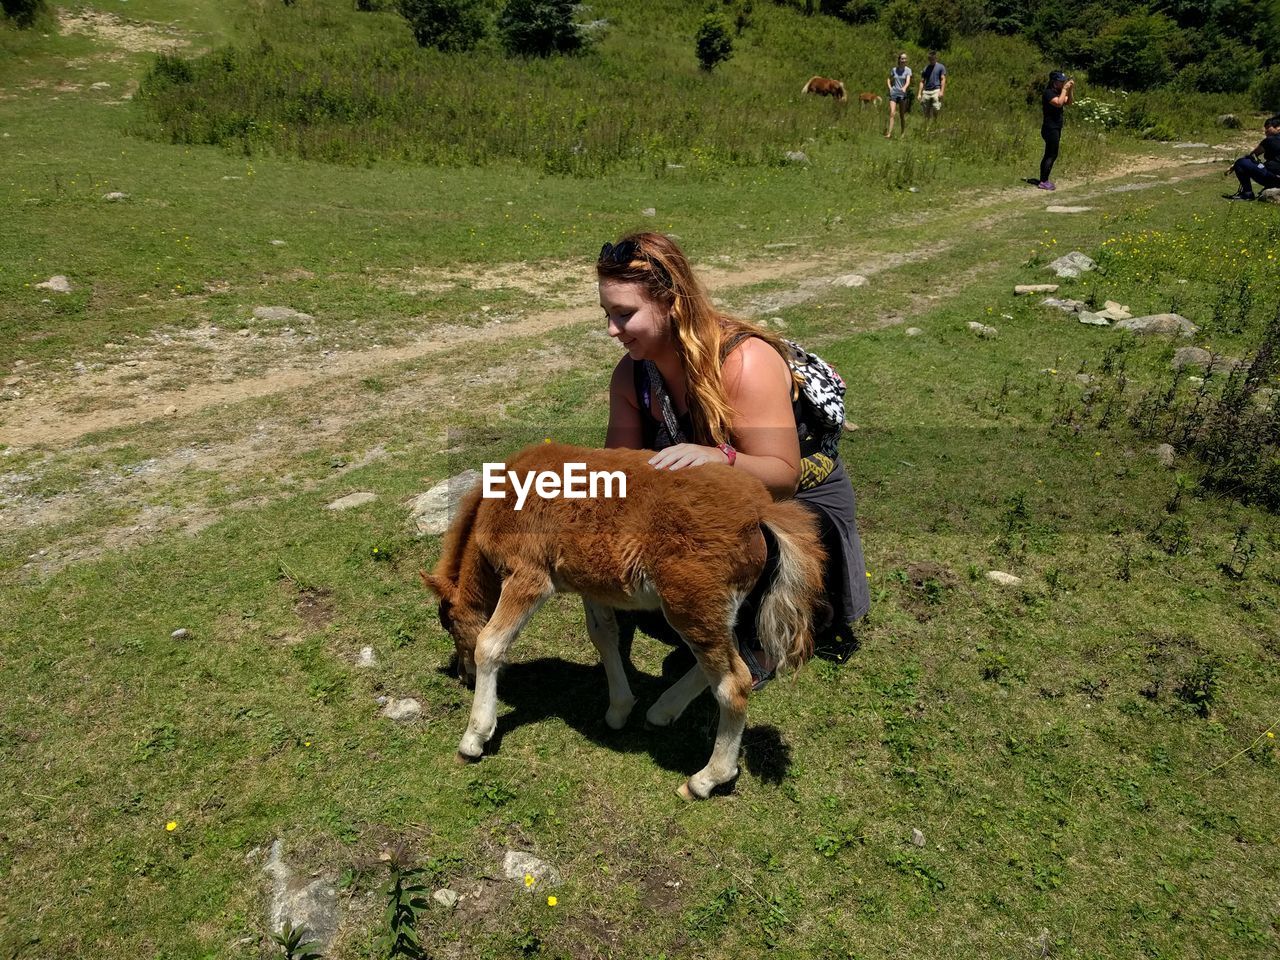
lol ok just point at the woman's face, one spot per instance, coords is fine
(902, 60)
(640, 324)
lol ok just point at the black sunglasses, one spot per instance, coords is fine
(621, 254)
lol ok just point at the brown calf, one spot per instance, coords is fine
(823, 87)
(689, 543)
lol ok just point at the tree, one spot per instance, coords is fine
(444, 24)
(23, 12)
(1133, 51)
(714, 44)
(539, 28)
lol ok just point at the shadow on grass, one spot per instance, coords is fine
(577, 694)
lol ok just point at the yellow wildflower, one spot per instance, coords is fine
(528, 880)
(171, 826)
(552, 901)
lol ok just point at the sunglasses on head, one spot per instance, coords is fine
(620, 254)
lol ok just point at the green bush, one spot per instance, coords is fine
(853, 11)
(539, 28)
(24, 12)
(444, 24)
(714, 45)
(1265, 91)
(1226, 68)
(902, 18)
(1133, 51)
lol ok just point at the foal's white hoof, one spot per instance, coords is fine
(616, 717)
(471, 748)
(687, 794)
(657, 718)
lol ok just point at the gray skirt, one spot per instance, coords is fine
(846, 575)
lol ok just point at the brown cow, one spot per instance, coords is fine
(823, 87)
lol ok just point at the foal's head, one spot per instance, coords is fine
(461, 620)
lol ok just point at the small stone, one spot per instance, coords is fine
(982, 330)
(366, 658)
(1085, 378)
(914, 331)
(850, 427)
(115, 196)
(57, 283)
(797, 156)
(100, 85)
(402, 710)
(517, 864)
(1072, 264)
(358, 499)
(180, 634)
(170, 410)
(1023, 288)
(280, 314)
(1003, 579)
(1093, 319)
(1115, 311)
(244, 331)
(1165, 454)
(1159, 324)
(1229, 120)
(1190, 146)
(780, 246)
(1270, 195)
(446, 898)
(132, 363)
(1067, 306)
(913, 189)
(849, 280)
(649, 212)
(917, 837)
(1058, 209)
(276, 243)
(778, 322)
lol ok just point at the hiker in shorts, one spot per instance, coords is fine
(899, 84)
(1261, 166)
(933, 86)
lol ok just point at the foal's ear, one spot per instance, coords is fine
(440, 586)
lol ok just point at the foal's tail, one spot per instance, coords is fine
(785, 621)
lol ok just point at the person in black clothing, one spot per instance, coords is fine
(1248, 169)
(1056, 96)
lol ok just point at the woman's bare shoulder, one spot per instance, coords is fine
(622, 383)
(754, 359)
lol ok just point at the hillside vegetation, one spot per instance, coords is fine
(320, 80)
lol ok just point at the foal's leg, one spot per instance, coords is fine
(602, 627)
(711, 638)
(522, 594)
(676, 698)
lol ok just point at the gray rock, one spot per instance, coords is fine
(1054, 208)
(1003, 579)
(1071, 265)
(913, 189)
(446, 898)
(100, 85)
(784, 245)
(797, 156)
(517, 864)
(432, 511)
(1093, 319)
(274, 243)
(1115, 311)
(115, 196)
(1166, 324)
(358, 499)
(849, 280)
(1024, 288)
(917, 837)
(982, 330)
(310, 903)
(1066, 306)
(850, 427)
(1203, 360)
(402, 710)
(1229, 120)
(280, 314)
(180, 634)
(649, 212)
(57, 283)
(366, 658)
(1165, 454)
(914, 332)
(1190, 146)
(1270, 195)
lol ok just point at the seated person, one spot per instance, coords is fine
(1265, 173)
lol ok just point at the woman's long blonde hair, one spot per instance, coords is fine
(700, 331)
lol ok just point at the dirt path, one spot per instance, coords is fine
(41, 418)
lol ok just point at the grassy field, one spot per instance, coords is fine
(1089, 756)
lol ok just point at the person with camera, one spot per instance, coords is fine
(1261, 166)
(1057, 96)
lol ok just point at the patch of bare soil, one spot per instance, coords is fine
(130, 35)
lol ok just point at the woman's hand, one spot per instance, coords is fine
(686, 455)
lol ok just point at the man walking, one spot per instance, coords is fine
(1057, 95)
(933, 86)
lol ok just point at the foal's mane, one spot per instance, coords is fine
(458, 536)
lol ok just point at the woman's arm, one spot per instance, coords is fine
(758, 386)
(625, 429)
